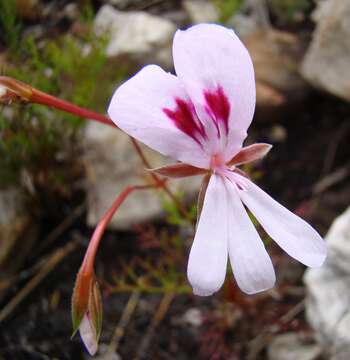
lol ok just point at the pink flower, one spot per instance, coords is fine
(200, 117)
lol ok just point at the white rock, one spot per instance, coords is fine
(193, 317)
(136, 34)
(327, 61)
(328, 296)
(112, 165)
(291, 346)
(201, 11)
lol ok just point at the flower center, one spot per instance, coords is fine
(217, 163)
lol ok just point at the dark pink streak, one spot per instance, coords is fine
(218, 106)
(185, 119)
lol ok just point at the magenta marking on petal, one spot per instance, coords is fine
(218, 107)
(185, 119)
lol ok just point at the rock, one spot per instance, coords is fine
(16, 233)
(178, 17)
(293, 346)
(327, 61)
(123, 4)
(253, 16)
(193, 317)
(201, 11)
(328, 297)
(276, 56)
(13, 219)
(137, 34)
(112, 165)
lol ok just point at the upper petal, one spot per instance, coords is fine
(251, 264)
(214, 65)
(294, 235)
(154, 108)
(207, 262)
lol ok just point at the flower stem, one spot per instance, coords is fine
(40, 97)
(88, 262)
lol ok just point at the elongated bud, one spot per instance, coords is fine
(95, 309)
(80, 298)
(87, 310)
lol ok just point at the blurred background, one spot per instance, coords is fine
(59, 174)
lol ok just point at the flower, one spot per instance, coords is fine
(200, 117)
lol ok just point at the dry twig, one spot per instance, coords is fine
(53, 260)
(123, 323)
(157, 318)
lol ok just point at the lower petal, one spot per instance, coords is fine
(251, 264)
(294, 235)
(88, 335)
(208, 257)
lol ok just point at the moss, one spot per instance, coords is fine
(33, 137)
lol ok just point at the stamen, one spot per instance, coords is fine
(217, 163)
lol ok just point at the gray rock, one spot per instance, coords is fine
(327, 61)
(201, 11)
(112, 165)
(17, 234)
(292, 346)
(136, 34)
(252, 17)
(328, 296)
(13, 219)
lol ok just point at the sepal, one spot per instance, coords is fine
(250, 153)
(179, 170)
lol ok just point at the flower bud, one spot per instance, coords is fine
(14, 90)
(87, 310)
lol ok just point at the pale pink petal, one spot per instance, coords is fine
(294, 235)
(215, 66)
(208, 257)
(251, 264)
(88, 335)
(143, 107)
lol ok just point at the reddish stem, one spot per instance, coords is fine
(88, 262)
(40, 97)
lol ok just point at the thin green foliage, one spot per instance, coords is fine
(154, 274)
(33, 137)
